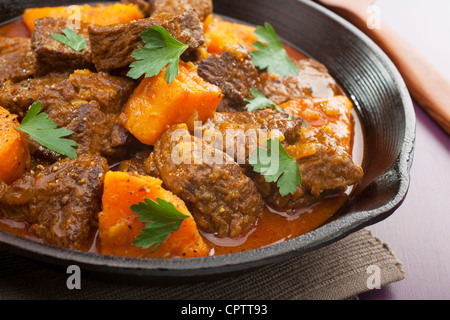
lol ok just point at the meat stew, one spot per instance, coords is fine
(231, 208)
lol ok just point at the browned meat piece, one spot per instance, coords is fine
(16, 58)
(136, 163)
(224, 201)
(111, 92)
(147, 7)
(232, 71)
(87, 103)
(151, 167)
(183, 26)
(203, 8)
(328, 169)
(42, 155)
(60, 202)
(95, 132)
(313, 80)
(113, 45)
(17, 97)
(239, 133)
(52, 55)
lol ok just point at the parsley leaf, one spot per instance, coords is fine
(44, 130)
(271, 55)
(71, 39)
(160, 50)
(277, 166)
(162, 219)
(260, 101)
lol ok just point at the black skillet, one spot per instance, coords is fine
(381, 100)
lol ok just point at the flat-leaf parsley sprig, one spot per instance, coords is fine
(160, 50)
(71, 39)
(277, 166)
(260, 101)
(161, 217)
(270, 54)
(44, 130)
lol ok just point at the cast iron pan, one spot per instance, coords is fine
(386, 112)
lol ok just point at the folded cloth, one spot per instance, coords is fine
(341, 270)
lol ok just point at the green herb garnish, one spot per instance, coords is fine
(260, 101)
(71, 39)
(277, 166)
(270, 53)
(161, 217)
(44, 130)
(160, 50)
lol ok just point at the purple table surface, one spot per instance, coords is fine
(419, 231)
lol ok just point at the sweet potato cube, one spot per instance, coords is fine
(155, 104)
(333, 114)
(220, 33)
(14, 152)
(119, 226)
(99, 14)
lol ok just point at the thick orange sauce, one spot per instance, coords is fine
(272, 227)
(16, 28)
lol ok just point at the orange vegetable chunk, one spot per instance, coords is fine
(220, 33)
(99, 14)
(332, 114)
(156, 104)
(119, 226)
(14, 152)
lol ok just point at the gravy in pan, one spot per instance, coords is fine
(272, 226)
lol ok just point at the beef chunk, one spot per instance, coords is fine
(42, 155)
(136, 163)
(111, 92)
(147, 7)
(232, 71)
(87, 103)
(183, 26)
(203, 8)
(95, 132)
(16, 58)
(52, 55)
(224, 201)
(113, 45)
(60, 202)
(313, 80)
(326, 169)
(150, 166)
(330, 167)
(17, 97)
(239, 133)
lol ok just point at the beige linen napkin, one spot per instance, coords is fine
(339, 271)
